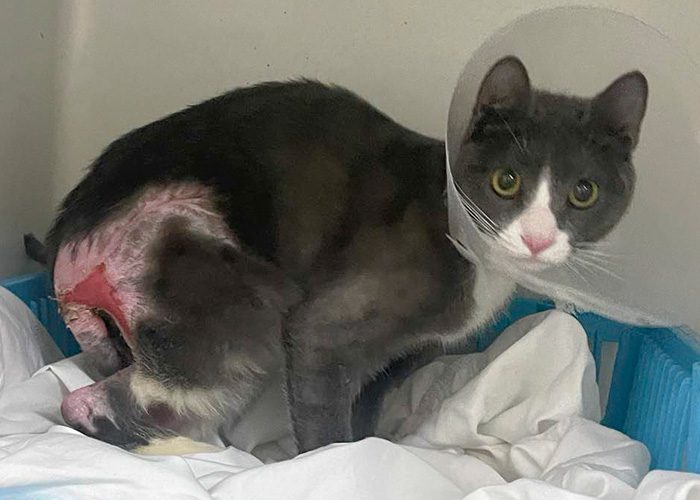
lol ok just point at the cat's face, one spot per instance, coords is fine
(548, 173)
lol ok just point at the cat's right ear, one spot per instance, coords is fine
(619, 109)
(505, 87)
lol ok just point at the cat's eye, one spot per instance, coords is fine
(584, 194)
(505, 182)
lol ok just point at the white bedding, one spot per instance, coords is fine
(516, 422)
(24, 344)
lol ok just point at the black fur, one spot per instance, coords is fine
(242, 143)
(35, 249)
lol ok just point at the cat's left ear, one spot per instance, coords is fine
(505, 87)
(620, 108)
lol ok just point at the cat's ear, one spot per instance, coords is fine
(620, 108)
(505, 87)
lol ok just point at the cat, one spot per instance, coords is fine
(292, 226)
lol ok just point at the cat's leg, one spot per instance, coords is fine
(368, 404)
(349, 329)
(201, 350)
(335, 342)
(106, 410)
(132, 410)
(326, 371)
(322, 383)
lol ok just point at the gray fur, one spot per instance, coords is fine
(344, 266)
(527, 130)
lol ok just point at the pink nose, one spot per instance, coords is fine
(537, 243)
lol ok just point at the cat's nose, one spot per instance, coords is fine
(537, 243)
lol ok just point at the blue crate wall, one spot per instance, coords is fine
(654, 392)
(34, 290)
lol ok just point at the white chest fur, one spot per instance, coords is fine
(490, 293)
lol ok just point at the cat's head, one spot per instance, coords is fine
(545, 173)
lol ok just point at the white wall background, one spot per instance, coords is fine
(28, 116)
(106, 66)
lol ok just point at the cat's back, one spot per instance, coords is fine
(296, 149)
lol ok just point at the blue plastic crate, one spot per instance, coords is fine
(35, 291)
(649, 378)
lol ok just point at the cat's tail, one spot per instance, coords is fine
(35, 249)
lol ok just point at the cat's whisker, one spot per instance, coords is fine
(475, 210)
(479, 217)
(463, 195)
(600, 261)
(594, 266)
(484, 224)
(600, 257)
(466, 199)
(488, 225)
(584, 267)
(578, 273)
(522, 149)
(473, 207)
(599, 253)
(591, 244)
(595, 245)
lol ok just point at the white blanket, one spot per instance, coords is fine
(24, 344)
(516, 422)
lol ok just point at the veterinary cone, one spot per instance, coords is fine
(646, 269)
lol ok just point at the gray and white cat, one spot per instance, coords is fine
(293, 226)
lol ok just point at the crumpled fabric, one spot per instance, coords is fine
(24, 344)
(516, 422)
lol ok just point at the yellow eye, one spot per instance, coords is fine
(584, 194)
(505, 182)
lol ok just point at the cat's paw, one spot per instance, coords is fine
(178, 445)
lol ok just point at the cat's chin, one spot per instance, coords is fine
(508, 251)
(532, 264)
(515, 264)
(500, 258)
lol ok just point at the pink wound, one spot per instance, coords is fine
(96, 291)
